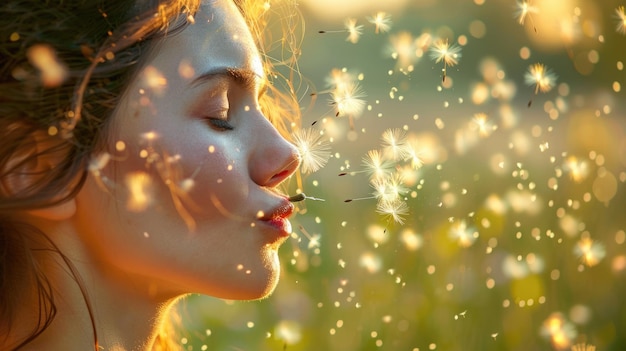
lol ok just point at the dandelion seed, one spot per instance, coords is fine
(395, 143)
(371, 262)
(525, 9)
(541, 77)
(354, 31)
(483, 125)
(589, 251)
(383, 190)
(441, 50)
(412, 155)
(386, 189)
(314, 240)
(393, 210)
(381, 20)
(313, 148)
(394, 188)
(464, 235)
(560, 331)
(578, 169)
(621, 20)
(376, 165)
(348, 100)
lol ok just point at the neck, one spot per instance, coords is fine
(91, 301)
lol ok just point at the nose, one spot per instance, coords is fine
(273, 158)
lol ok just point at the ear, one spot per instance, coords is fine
(37, 153)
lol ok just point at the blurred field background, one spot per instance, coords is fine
(514, 236)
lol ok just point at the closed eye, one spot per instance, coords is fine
(219, 124)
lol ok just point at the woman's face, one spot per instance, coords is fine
(187, 202)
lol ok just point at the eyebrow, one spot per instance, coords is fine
(242, 76)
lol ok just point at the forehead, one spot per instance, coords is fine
(217, 37)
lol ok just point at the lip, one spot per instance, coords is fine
(278, 219)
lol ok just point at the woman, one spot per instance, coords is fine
(136, 165)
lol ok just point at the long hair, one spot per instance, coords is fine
(93, 49)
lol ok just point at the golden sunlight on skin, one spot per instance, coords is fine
(188, 189)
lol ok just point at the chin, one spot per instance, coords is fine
(261, 286)
(253, 285)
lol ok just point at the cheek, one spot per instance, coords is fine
(220, 179)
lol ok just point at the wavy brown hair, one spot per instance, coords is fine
(97, 47)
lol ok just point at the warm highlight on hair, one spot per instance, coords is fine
(97, 47)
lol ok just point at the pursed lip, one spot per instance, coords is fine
(278, 218)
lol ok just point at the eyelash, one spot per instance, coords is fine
(219, 120)
(219, 123)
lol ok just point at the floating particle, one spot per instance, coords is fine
(288, 331)
(43, 57)
(460, 232)
(462, 314)
(139, 186)
(154, 79)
